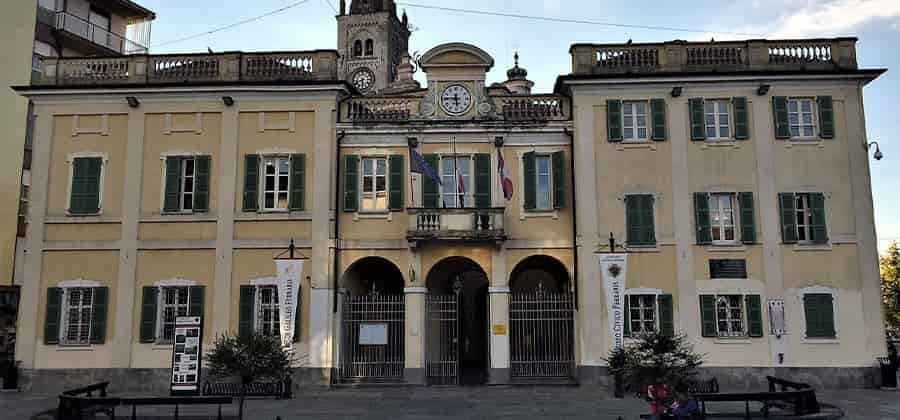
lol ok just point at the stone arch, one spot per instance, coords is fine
(369, 48)
(440, 277)
(373, 275)
(539, 272)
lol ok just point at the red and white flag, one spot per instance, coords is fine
(505, 181)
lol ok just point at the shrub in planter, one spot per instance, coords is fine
(659, 359)
(248, 358)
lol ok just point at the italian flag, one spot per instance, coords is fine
(505, 181)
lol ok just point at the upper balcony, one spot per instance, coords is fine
(456, 224)
(190, 68)
(708, 57)
(509, 108)
(96, 27)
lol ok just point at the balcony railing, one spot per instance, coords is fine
(98, 35)
(518, 108)
(533, 108)
(454, 224)
(686, 57)
(191, 68)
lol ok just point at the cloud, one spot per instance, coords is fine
(834, 17)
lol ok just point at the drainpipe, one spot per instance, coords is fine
(574, 214)
(337, 220)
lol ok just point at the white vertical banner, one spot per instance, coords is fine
(612, 270)
(288, 280)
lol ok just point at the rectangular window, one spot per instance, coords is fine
(455, 195)
(634, 121)
(716, 120)
(804, 217)
(721, 217)
(85, 186)
(642, 314)
(267, 319)
(800, 117)
(374, 184)
(543, 192)
(186, 199)
(77, 315)
(276, 177)
(639, 220)
(730, 316)
(174, 302)
(818, 309)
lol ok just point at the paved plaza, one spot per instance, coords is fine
(462, 403)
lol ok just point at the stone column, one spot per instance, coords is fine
(499, 332)
(228, 155)
(414, 352)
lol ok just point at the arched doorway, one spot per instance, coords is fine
(457, 322)
(541, 318)
(372, 323)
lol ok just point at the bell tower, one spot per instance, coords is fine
(372, 41)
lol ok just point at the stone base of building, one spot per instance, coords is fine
(739, 379)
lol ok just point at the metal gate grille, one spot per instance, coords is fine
(372, 332)
(541, 334)
(442, 351)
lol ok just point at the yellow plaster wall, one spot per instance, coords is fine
(555, 225)
(357, 225)
(296, 229)
(160, 231)
(84, 232)
(751, 253)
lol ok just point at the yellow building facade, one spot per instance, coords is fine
(452, 231)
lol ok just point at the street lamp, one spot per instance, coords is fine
(878, 155)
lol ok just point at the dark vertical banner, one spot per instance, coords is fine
(187, 354)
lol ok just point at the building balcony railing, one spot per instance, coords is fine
(191, 68)
(519, 108)
(80, 28)
(454, 224)
(687, 57)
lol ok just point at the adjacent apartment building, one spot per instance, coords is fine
(452, 229)
(33, 30)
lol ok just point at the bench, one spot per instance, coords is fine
(174, 401)
(81, 404)
(797, 398)
(280, 390)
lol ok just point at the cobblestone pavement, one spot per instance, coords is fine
(462, 403)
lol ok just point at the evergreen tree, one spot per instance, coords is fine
(890, 289)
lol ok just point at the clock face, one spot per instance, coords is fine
(456, 100)
(363, 80)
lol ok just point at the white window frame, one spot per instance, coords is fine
(65, 320)
(262, 183)
(717, 124)
(805, 214)
(735, 225)
(182, 182)
(104, 159)
(647, 127)
(549, 159)
(813, 118)
(374, 194)
(742, 301)
(469, 196)
(161, 308)
(258, 318)
(655, 307)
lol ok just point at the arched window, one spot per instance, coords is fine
(357, 48)
(370, 47)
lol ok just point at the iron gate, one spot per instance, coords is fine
(372, 333)
(442, 346)
(541, 335)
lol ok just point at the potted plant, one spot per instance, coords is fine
(658, 363)
(248, 358)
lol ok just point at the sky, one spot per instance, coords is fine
(544, 46)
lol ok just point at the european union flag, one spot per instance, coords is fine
(418, 165)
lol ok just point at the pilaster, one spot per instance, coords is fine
(499, 331)
(228, 151)
(414, 342)
(688, 319)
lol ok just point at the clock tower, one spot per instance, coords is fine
(372, 41)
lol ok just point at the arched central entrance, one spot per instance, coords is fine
(457, 322)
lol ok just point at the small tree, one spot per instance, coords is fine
(660, 359)
(248, 358)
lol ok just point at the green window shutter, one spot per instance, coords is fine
(85, 198)
(195, 306)
(639, 219)
(395, 195)
(818, 230)
(251, 183)
(246, 310)
(297, 321)
(626, 327)
(748, 222)
(98, 315)
(559, 179)
(297, 199)
(430, 195)
(826, 117)
(754, 316)
(782, 127)
(201, 183)
(658, 113)
(788, 210)
(698, 123)
(529, 178)
(52, 315)
(701, 215)
(741, 118)
(149, 301)
(351, 183)
(666, 315)
(173, 184)
(708, 316)
(819, 311)
(614, 120)
(482, 180)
